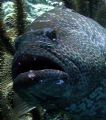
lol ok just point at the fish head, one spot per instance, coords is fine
(56, 66)
(39, 75)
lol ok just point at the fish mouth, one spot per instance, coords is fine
(26, 62)
(40, 78)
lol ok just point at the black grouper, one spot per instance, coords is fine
(60, 63)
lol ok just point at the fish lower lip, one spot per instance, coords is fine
(42, 85)
(32, 77)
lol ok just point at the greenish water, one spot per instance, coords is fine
(95, 9)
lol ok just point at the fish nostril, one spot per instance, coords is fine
(50, 33)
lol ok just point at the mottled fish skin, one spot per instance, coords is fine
(78, 45)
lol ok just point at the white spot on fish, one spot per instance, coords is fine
(19, 63)
(34, 59)
(31, 74)
(31, 71)
(54, 39)
(41, 81)
(59, 82)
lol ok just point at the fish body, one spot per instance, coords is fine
(60, 63)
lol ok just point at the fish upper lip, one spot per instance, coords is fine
(26, 62)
